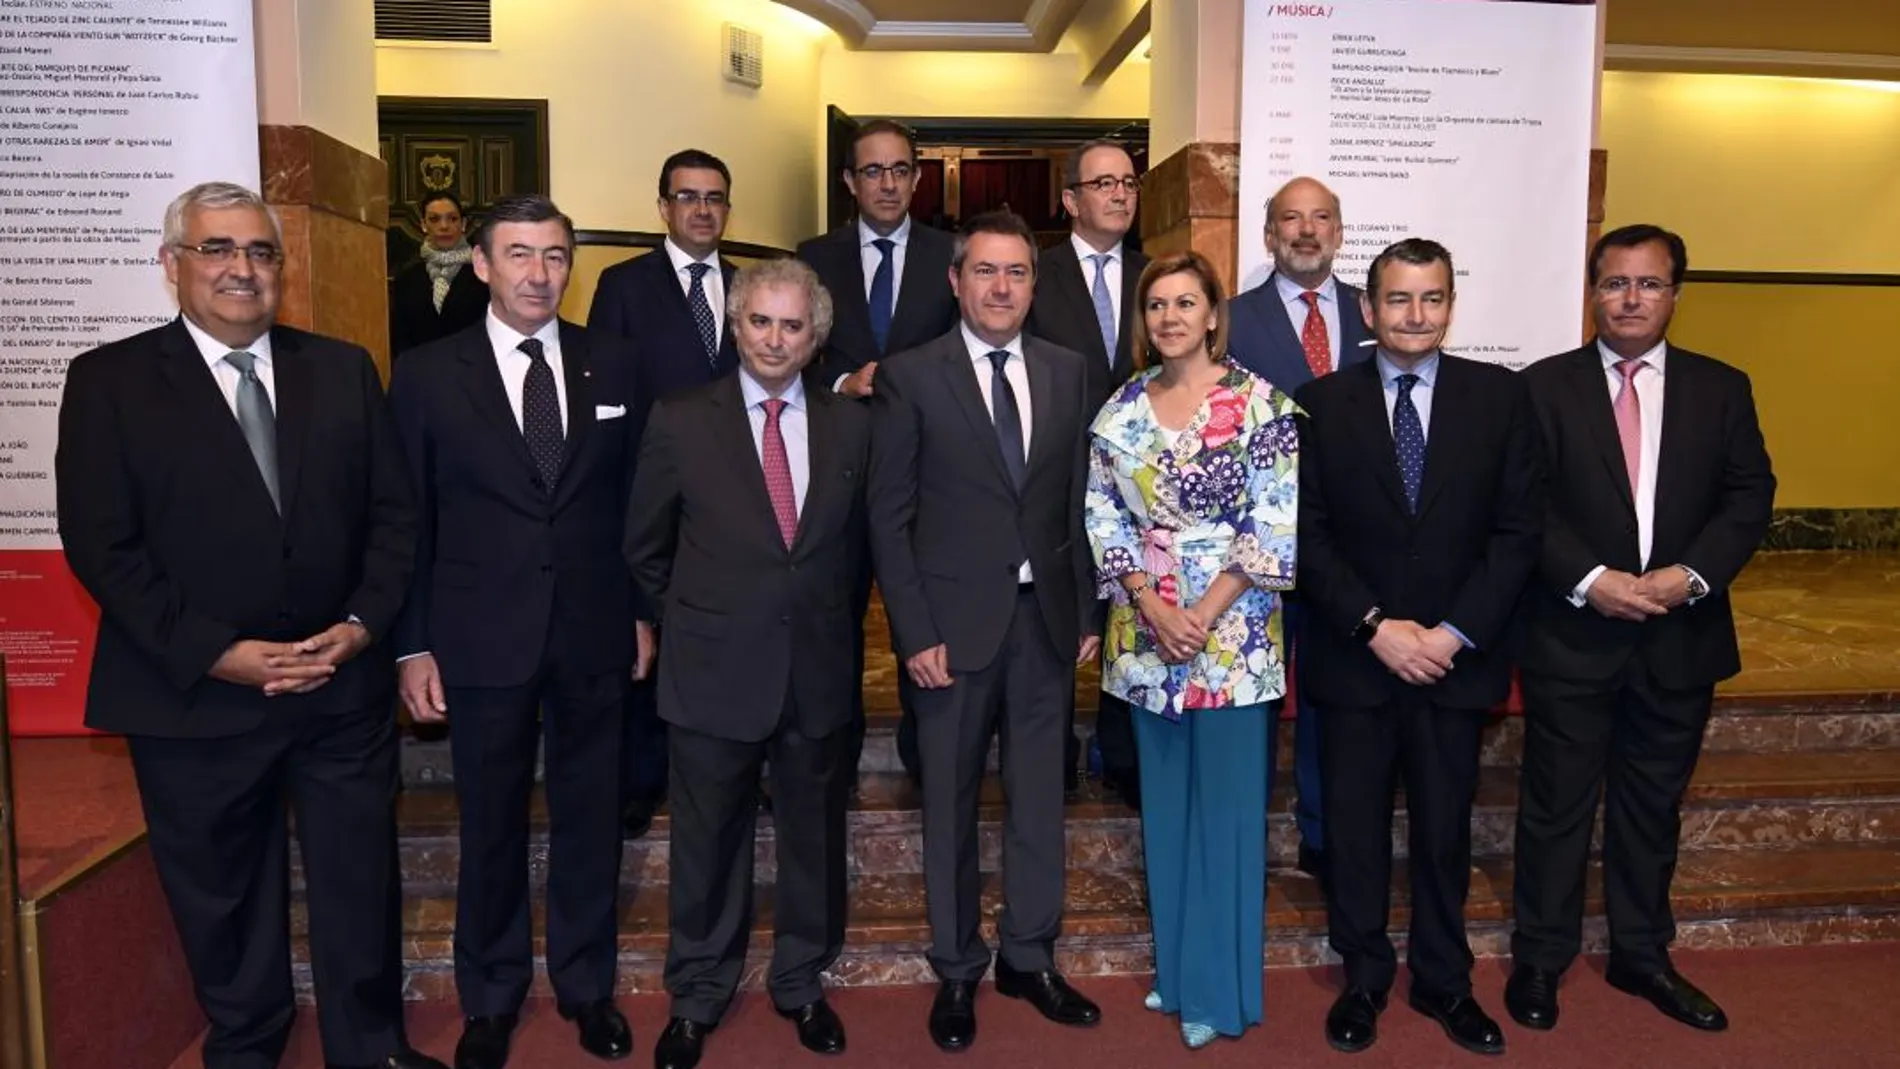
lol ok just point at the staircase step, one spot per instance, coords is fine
(1806, 894)
(1740, 724)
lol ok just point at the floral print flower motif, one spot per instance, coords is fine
(1280, 437)
(1211, 487)
(1225, 413)
(1117, 561)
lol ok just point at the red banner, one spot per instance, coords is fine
(48, 626)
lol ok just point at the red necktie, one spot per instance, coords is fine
(778, 474)
(1319, 354)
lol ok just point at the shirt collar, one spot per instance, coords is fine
(214, 350)
(981, 350)
(681, 258)
(1083, 250)
(505, 339)
(1290, 290)
(1654, 357)
(899, 237)
(756, 395)
(1427, 371)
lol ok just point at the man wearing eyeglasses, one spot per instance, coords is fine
(1084, 300)
(232, 495)
(672, 304)
(1660, 491)
(889, 279)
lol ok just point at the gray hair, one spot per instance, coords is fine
(1274, 201)
(784, 272)
(213, 195)
(1072, 171)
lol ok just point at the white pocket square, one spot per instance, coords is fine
(609, 411)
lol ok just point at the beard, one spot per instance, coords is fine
(1301, 261)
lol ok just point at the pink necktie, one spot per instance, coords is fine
(778, 473)
(1629, 419)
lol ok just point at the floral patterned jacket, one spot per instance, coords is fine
(1223, 498)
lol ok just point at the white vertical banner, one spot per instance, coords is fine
(108, 110)
(1464, 121)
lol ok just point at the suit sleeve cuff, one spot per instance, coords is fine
(1581, 595)
(837, 385)
(412, 656)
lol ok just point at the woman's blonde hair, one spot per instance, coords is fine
(1180, 263)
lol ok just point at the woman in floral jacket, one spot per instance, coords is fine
(1193, 491)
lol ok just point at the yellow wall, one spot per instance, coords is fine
(1779, 174)
(314, 67)
(628, 82)
(977, 84)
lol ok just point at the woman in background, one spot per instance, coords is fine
(439, 294)
(1193, 492)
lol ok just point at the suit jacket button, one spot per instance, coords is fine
(546, 568)
(785, 620)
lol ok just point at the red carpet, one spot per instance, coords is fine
(1809, 1006)
(75, 801)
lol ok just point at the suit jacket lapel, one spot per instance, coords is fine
(198, 394)
(1352, 328)
(296, 384)
(1043, 408)
(1366, 402)
(1071, 284)
(577, 370)
(1133, 263)
(1677, 394)
(481, 380)
(959, 373)
(1594, 398)
(912, 284)
(732, 426)
(1450, 415)
(821, 486)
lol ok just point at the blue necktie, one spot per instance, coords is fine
(1104, 305)
(883, 293)
(1009, 420)
(703, 317)
(1408, 439)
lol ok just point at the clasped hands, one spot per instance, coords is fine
(1622, 596)
(1417, 654)
(1180, 633)
(291, 667)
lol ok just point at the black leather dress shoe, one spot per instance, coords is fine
(953, 1016)
(1352, 1024)
(1049, 993)
(637, 818)
(819, 1029)
(603, 1028)
(1313, 862)
(1127, 786)
(402, 1059)
(1463, 1020)
(681, 1044)
(484, 1042)
(1530, 996)
(1670, 993)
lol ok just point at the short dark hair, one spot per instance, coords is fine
(522, 208)
(1000, 221)
(882, 126)
(1628, 237)
(422, 206)
(1072, 171)
(690, 158)
(1419, 252)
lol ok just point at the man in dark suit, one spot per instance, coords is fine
(1085, 301)
(438, 295)
(1301, 324)
(977, 483)
(746, 532)
(1420, 509)
(671, 304)
(520, 624)
(888, 280)
(1660, 491)
(232, 495)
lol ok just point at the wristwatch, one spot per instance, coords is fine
(1697, 588)
(1369, 625)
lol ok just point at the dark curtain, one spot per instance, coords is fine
(926, 202)
(1022, 186)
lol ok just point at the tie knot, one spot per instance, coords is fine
(1629, 368)
(998, 359)
(1311, 297)
(773, 406)
(698, 271)
(1101, 259)
(241, 360)
(1406, 382)
(884, 245)
(533, 347)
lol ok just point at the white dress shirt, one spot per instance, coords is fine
(1113, 268)
(714, 285)
(514, 363)
(871, 257)
(794, 429)
(1016, 370)
(1427, 372)
(1291, 295)
(228, 377)
(1649, 397)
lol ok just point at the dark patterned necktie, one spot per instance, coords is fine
(703, 317)
(883, 299)
(1009, 420)
(1408, 440)
(541, 415)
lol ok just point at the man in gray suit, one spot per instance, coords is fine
(975, 498)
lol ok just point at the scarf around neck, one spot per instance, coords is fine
(442, 265)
